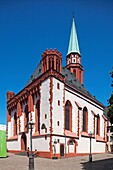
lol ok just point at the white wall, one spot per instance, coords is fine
(58, 110)
(84, 102)
(41, 144)
(45, 105)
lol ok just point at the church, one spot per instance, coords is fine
(65, 115)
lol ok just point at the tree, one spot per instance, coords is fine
(110, 102)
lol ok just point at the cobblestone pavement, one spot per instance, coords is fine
(100, 162)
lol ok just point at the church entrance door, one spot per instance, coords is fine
(23, 142)
(62, 150)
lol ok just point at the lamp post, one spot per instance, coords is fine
(31, 157)
(90, 154)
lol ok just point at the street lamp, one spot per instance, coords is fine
(30, 125)
(90, 154)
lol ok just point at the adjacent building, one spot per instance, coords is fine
(63, 110)
(3, 152)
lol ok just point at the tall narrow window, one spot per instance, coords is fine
(85, 120)
(52, 63)
(74, 72)
(57, 64)
(49, 63)
(15, 124)
(45, 65)
(38, 116)
(58, 86)
(98, 125)
(68, 116)
(80, 76)
(26, 120)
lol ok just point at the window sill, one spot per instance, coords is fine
(84, 134)
(99, 139)
(71, 134)
(36, 134)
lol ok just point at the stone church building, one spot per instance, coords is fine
(63, 111)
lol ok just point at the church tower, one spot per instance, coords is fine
(51, 59)
(73, 58)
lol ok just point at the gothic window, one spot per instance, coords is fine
(98, 125)
(15, 124)
(26, 117)
(85, 120)
(38, 116)
(68, 116)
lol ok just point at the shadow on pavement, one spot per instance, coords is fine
(105, 164)
(4, 157)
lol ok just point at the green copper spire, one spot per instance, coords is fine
(73, 42)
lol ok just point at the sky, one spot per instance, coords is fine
(29, 27)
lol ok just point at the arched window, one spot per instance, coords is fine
(85, 119)
(98, 125)
(26, 120)
(15, 124)
(68, 116)
(37, 117)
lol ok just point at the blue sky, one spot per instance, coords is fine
(29, 27)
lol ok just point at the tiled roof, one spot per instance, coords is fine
(72, 81)
(36, 74)
(69, 77)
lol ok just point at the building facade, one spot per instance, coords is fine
(64, 112)
(110, 137)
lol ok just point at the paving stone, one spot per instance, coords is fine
(100, 162)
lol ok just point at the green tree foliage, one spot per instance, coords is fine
(110, 101)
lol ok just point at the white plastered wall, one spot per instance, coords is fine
(83, 143)
(45, 105)
(58, 110)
